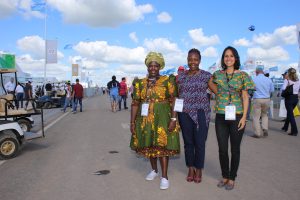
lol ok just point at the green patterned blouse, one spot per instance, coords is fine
(237, 82)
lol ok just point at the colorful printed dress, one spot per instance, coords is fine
(236, 83)
(152, 138)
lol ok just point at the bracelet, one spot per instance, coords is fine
(173, 119)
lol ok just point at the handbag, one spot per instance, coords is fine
(288, 91)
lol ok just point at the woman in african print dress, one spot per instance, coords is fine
(153, 122)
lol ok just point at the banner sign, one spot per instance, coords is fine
(74, 69)
(51, 51)
(7, 63)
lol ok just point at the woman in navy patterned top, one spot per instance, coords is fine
(194, 118)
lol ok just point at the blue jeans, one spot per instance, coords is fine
(194, 138)
(76, 100)
(123, 98)
(228, 130)
(67, 103)
(19, 98)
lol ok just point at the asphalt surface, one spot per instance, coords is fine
(63, 164)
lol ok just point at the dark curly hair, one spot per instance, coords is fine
(237, 62)
(196, 51)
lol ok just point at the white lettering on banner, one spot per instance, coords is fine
(51, 51)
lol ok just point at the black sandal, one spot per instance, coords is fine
(229, 186)
(222, 183)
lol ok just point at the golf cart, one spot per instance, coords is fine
(55, 100)
(11, 134)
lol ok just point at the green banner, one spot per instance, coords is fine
(7, 63)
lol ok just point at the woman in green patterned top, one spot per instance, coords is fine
(155, 132)
(231, 111)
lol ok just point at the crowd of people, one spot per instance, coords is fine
(159, 101)
(24, 92)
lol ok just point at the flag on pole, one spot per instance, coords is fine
(68, 46)
(51, 51)
(38, 5)
(74, 69)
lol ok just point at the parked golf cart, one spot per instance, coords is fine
(13, 134)
(55, 100)
(26, 123)
(48, 102)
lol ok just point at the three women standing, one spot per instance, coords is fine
(153, 119)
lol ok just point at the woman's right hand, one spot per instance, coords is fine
(132, 128)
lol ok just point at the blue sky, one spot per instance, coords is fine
(113, 36)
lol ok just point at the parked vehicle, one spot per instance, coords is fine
(15, 124)
(12, 137)
(26, 123)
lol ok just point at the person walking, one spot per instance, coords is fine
(78, 96)
(123, 93)
(231, 111)
(155, 133)
(28, 96)
(19, 95)
(113, 87)
(291, 101)
(261, 102)
(195, 114)
(69, 96)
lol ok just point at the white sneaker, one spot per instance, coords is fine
(151, 175)
(164, 183)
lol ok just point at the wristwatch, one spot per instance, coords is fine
(173, 119)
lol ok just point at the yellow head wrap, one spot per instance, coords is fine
(157, 57)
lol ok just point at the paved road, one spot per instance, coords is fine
(62, 165)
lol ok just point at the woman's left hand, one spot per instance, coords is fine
(242, 123)
(172, 126)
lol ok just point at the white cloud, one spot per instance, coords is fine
(101, 13)
(200, 39)
(285, 35)
(133, 37)
(210, 52)
(34, 58)
(35, 46)
(7, 8)
(161, 45)
(269, 55)
(164, 17)
(36, 67)
(137, 69)
(101, 51)
(242, 42)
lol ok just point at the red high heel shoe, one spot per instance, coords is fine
(198, 179)
(190, 176)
